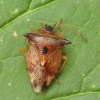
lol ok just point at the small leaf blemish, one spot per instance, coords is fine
(16, 11)
(9, 84)
(28, 20)
(77, 1)
(83, 74)
(42, 0)
(93, 86)
(1, 1)
(1, 39)
(15, 33)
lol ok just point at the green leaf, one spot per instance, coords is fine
(80, 78)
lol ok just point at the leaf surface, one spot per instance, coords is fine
(80, 78)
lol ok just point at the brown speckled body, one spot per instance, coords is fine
(44, 57)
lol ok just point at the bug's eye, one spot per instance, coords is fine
(44, 50)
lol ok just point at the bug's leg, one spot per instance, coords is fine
(58, 25)
(65, 60)
(41, 27)
(39, 30)
(24, 50)
(57, 81)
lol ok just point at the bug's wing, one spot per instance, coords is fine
(53, 63)
(52, 66)
(36, 71)
(32, 57)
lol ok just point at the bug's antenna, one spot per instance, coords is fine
(76, 32)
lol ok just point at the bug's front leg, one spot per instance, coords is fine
(59, 27)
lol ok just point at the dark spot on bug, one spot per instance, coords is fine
(44, 50)
(39, 85)
(43, 86)
(34, 83)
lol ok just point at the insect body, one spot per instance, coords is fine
(44, 56)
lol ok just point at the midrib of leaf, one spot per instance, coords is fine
(26, 13)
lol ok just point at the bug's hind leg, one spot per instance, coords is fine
(65, 60)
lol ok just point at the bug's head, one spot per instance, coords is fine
(49, 28)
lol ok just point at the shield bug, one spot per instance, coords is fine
(44, 56)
